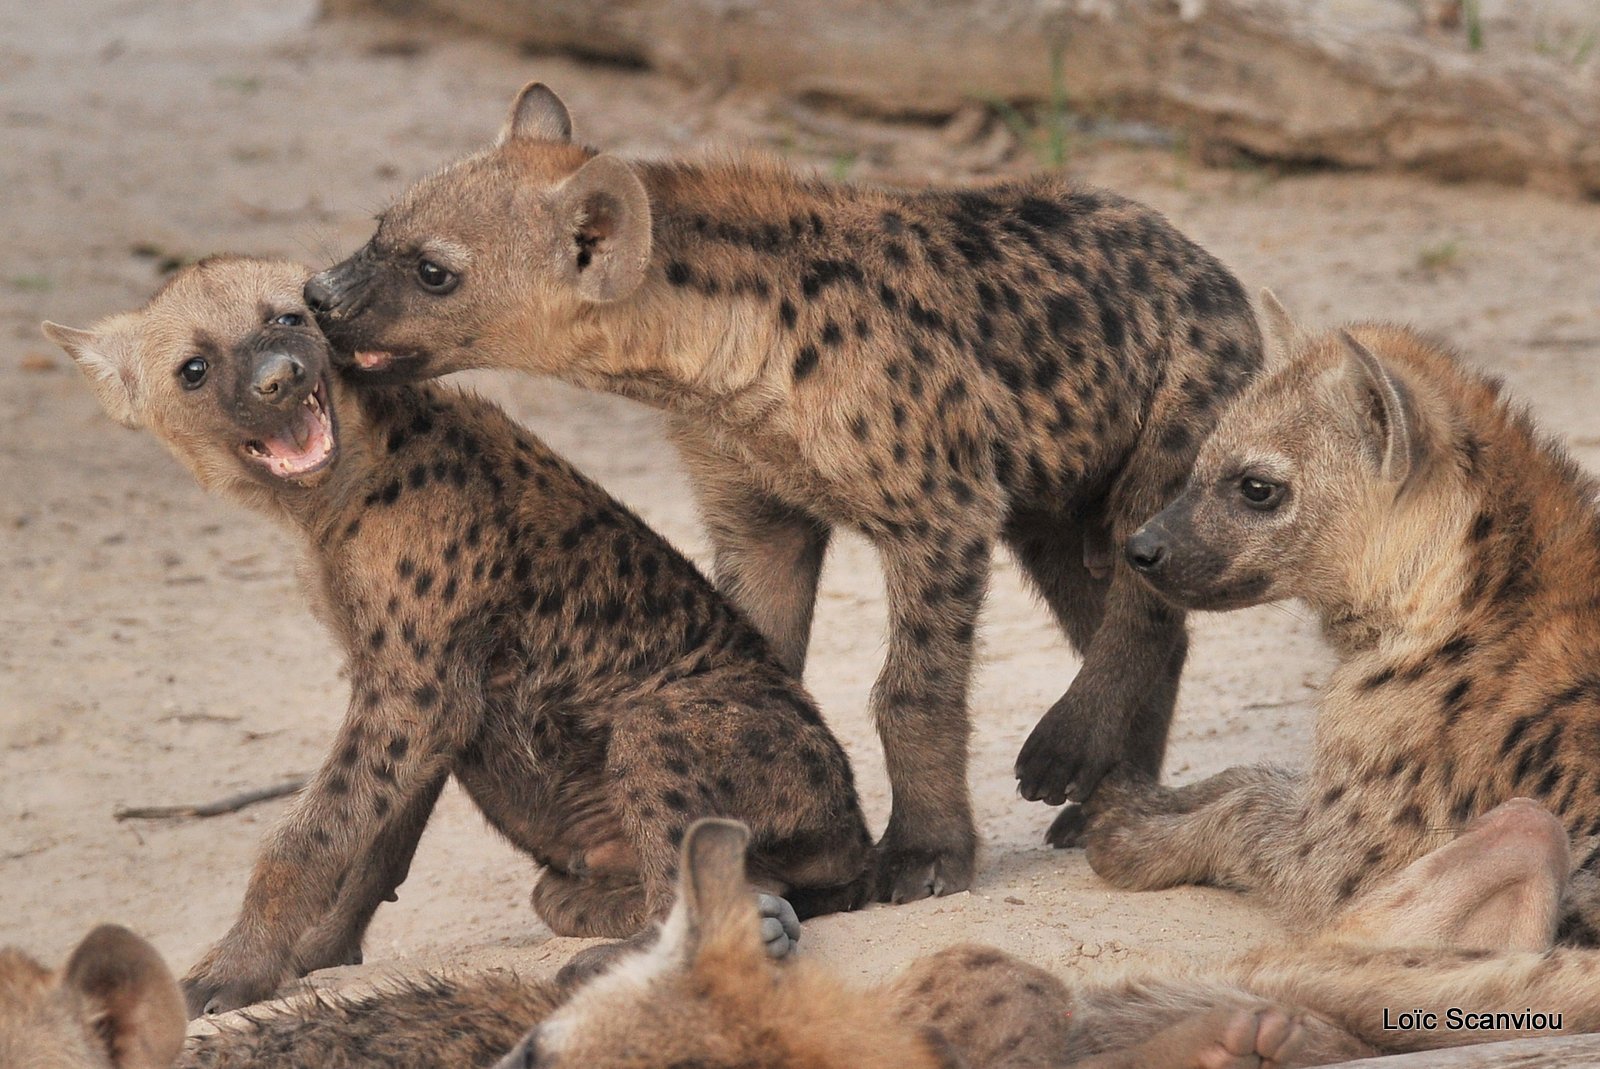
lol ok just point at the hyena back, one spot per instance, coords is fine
(506, 622)
(1452, 554)
(1031, 363)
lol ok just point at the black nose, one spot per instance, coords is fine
(277, 375)
(318, 294)
(1147, 549)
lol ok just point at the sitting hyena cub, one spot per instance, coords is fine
(1453, 556)
(506, 622)
(1031, 364)
(707, 996)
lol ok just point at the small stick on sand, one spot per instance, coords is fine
(231, 804)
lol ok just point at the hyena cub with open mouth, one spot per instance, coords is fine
(1453, 556)
(506, 622)
(1031, 364)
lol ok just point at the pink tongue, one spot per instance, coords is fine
(373, 358)
(299, 440)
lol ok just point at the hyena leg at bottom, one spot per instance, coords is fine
(371, 881)
(920, 705)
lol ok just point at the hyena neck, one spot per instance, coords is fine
(711, 328)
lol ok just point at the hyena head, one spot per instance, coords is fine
(708, 995)
(509, 246)
(1297, 485)
(226, 366)
(113, 1004)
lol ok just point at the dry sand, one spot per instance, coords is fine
(157, 649)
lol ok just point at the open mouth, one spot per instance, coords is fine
(307, 445)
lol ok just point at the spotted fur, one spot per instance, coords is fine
(1031, 363)
(1452, 554)
(506, 623)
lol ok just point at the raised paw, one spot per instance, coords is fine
(1069, 751)
(780, 926)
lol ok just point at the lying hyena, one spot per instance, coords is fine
(1029, 363)
(1453, 556)
(506, 622)
(706, 994)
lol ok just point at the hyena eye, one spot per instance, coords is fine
(1260, 494)
(193, 372)
(436, 279)
(290, 319)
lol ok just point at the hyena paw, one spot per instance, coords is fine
(780, 926)
(1265, 1037)
(208, 991)
(907, 871)
(1068, 753)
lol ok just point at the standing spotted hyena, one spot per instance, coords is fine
(1453, 556)
(1031, 363)
(506, 622)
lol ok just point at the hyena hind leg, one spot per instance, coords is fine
(611, 906)
(1497, 886)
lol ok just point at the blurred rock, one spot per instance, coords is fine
(1390, 84)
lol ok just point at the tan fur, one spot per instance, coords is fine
(1030, 363)
(1452, 554)
(506, 623)
(707, 996)
(113, 1005)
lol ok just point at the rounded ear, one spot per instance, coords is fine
(537, 115)
(606, 211)
(104, 360)
(1387, 403)
(712, 889)
(132, 999)
(1279, 331)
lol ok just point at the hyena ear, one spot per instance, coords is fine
(537, 115)
(132, 1001)
(1280, 333)
(1387, 405)
(606, 212)
(715, 898)
(104, 360)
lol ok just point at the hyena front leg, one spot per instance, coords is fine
(936, 585)
(1231, 830)
(371, 881)
(391, 748)
(768, 554)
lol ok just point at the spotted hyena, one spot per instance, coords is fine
(706, 994)
(1452, 554)
(1031, 363)
(506, 622)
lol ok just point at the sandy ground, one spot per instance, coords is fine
(156, 648)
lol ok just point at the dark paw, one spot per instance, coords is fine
(1066, 756)
(206, 995)
(1066, 831)
(906, 874)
